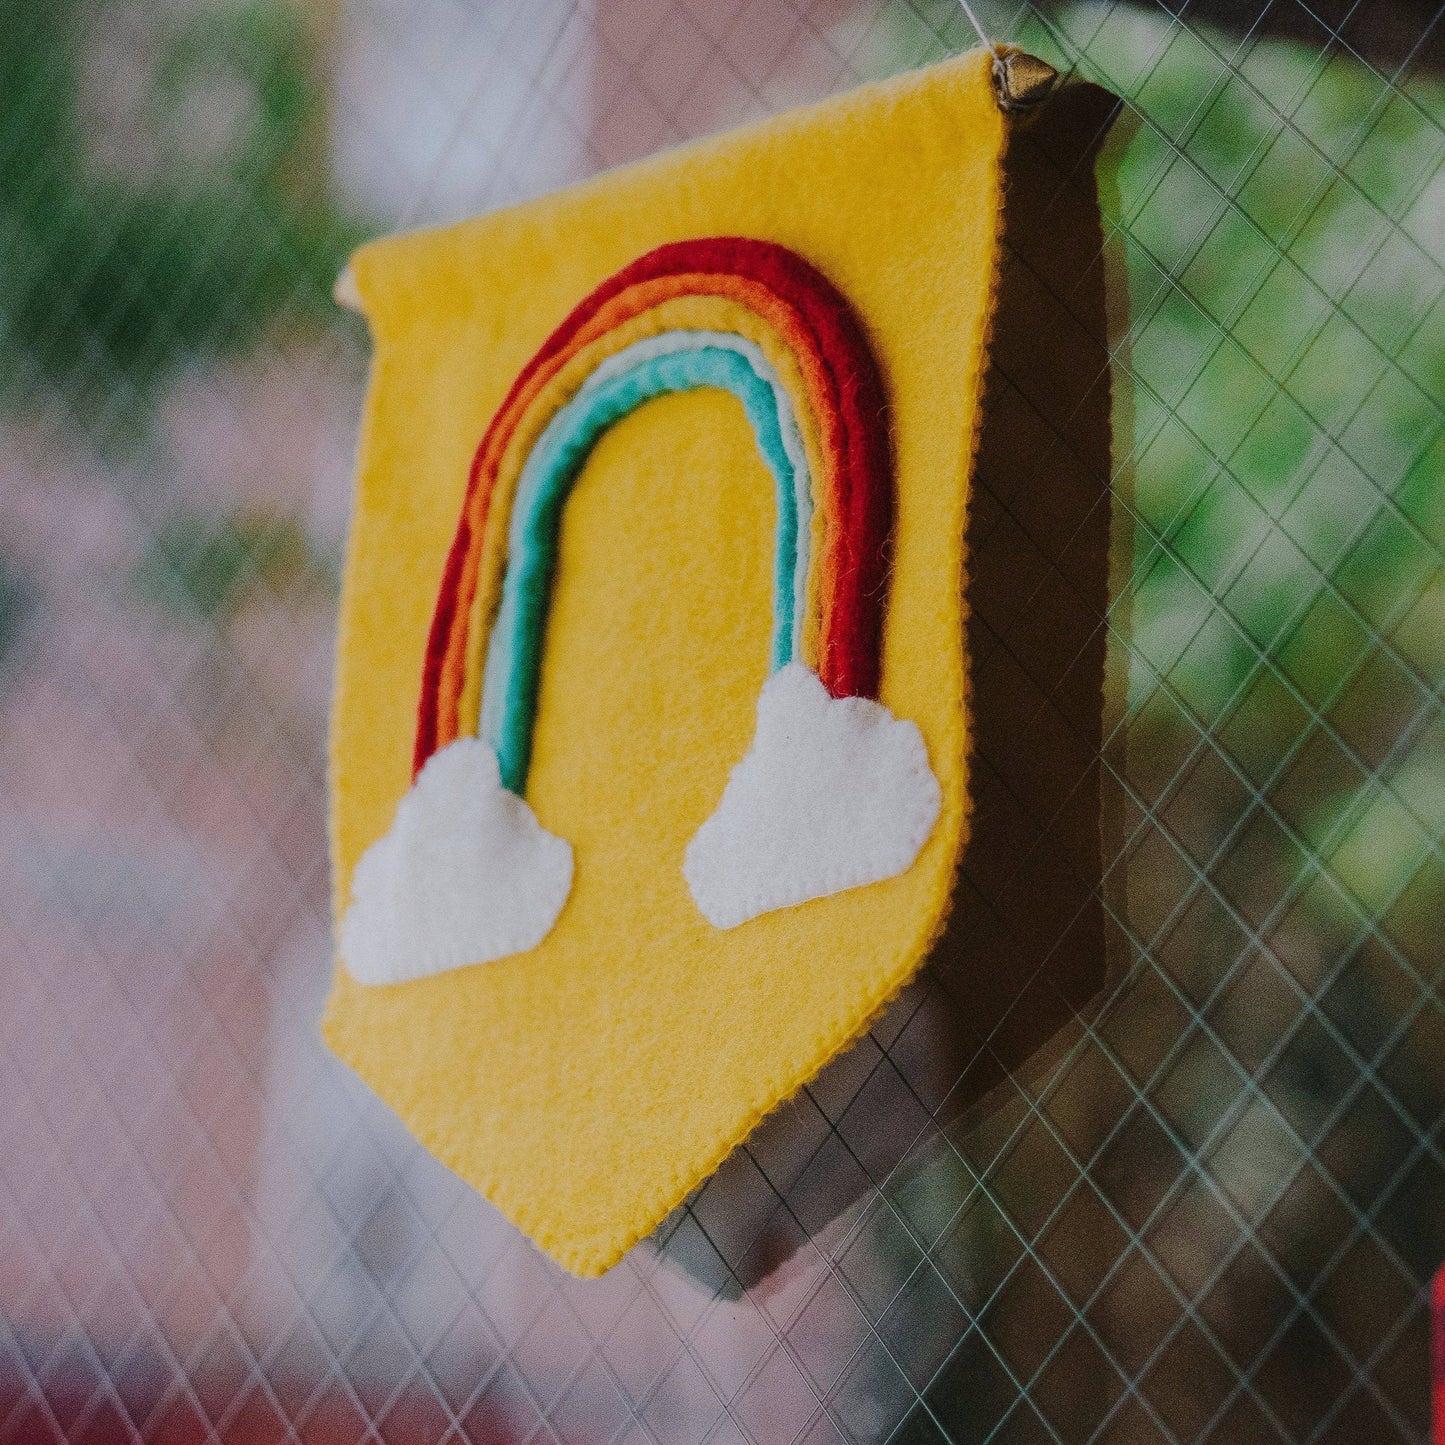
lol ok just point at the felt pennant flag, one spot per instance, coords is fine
(649, 780)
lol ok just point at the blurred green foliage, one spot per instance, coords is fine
(116, 273)
(201, 565)
(1277, 209)
(1277, 215)
(17, 599)
(1279, 224)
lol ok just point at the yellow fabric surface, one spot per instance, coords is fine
(587, 1086)
(699, 313)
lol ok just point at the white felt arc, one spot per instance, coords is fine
(466, 874)
(666, 343)
(670, 342)
(834, 793)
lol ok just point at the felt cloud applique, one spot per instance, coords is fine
(466, 875)
(835, 793)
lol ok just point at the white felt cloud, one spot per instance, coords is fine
(466, 875)
(835, 793)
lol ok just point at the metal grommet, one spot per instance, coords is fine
(1022, 81)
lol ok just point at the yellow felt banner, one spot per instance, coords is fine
(587, 1085)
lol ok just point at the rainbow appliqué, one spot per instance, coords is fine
(835, 792)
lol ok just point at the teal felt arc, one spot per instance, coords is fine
(673, 362)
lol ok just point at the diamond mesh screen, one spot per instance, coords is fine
(1206, 1208)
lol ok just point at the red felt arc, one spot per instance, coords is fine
(859, 504)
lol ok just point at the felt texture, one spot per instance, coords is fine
(847, 399)
(715, 314)
(670, 363)
(834, 793)
(465, 874)
(585, 1087)
(780, 439)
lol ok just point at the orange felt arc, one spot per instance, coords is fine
(844, 395)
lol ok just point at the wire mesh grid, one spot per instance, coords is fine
(1207, 1210)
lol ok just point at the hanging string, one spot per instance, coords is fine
(1020, 81)
(982, 35)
